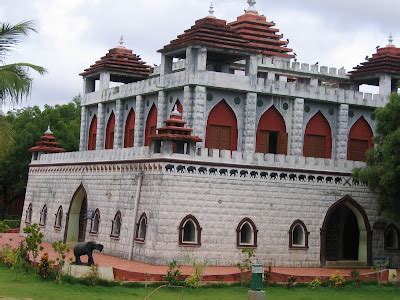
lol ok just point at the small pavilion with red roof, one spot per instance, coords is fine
(47, 144)
(118, 65)
(382, 69)
(174, 137)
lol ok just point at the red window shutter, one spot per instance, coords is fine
(262, 141)
(282, 143)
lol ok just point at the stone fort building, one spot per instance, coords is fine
(230, 143)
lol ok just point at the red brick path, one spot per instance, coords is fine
(126, 270)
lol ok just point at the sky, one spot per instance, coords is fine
(73, 34)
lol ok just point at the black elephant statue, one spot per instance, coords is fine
(86, 249)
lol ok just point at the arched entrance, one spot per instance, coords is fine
(346, 233)
(75, 226)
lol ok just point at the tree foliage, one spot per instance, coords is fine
(28, 125)
(15, 80)
(382, 173)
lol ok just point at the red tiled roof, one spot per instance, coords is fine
(385, 60)
(261, 35)
(47, 144)
(122, 61)
(210, 32)
(250, 33)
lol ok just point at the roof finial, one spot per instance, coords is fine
(211, 11)
(121, 42)
(48, 131)
(390, 40)
(251, 6)
(175, 112)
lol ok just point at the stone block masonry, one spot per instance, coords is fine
(219, 202)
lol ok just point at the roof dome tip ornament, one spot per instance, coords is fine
(251, 8)
(211, 11)
(175, 111)
(48, 131)
(390, 40)
(121, 42)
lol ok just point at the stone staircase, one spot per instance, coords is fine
(346, 264)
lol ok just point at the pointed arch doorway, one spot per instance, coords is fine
(75, 226)
(346, 234)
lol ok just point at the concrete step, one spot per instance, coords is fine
(347, 264)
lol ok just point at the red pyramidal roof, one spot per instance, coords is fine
(261, 35)
(211, 32)
(121, 61)
(250, 33)
(385, 60)
(47, 144)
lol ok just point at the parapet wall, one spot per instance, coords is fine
(203, 156)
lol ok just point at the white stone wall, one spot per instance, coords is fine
(218, 202)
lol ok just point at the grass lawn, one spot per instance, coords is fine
(29, 286)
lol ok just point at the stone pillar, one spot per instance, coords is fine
(104, 80)
(83, 136)
(119, 126)
(100, 127)
(385, 85)
(165, 67)
(252, 69)
(296, 134)
(187, 106)
(89, 85)
(249, 123)
(199, 112)
(162, 107)
(342, 132)
(139, 122)
(202, 59)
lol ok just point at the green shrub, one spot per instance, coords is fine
(290, 281)
(12, 223)
(337, 280)
(315, 284)
(33, 240)
(173, 273)
(245, 265)
(61, 249)
(4, 227)
(194, 280)
(45, 267)
(93, 275)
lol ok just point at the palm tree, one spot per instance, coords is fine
(15, 82)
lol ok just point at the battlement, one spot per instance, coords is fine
(236, 83)
(203, 156)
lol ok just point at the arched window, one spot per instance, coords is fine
(28, 214)
(246, 234)
(222, 131)
(271, 133)
(318, 137)
(109, 143)
(141, 228)
(298, 235)
(391, 238)
(92, 134)
(116, 225)
(151, 125)
(189, 232)
(94, 226)
(360, 140)
(43, 216)
(59, 217)
(129, 129)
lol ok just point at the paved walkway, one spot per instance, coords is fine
(13, 240)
